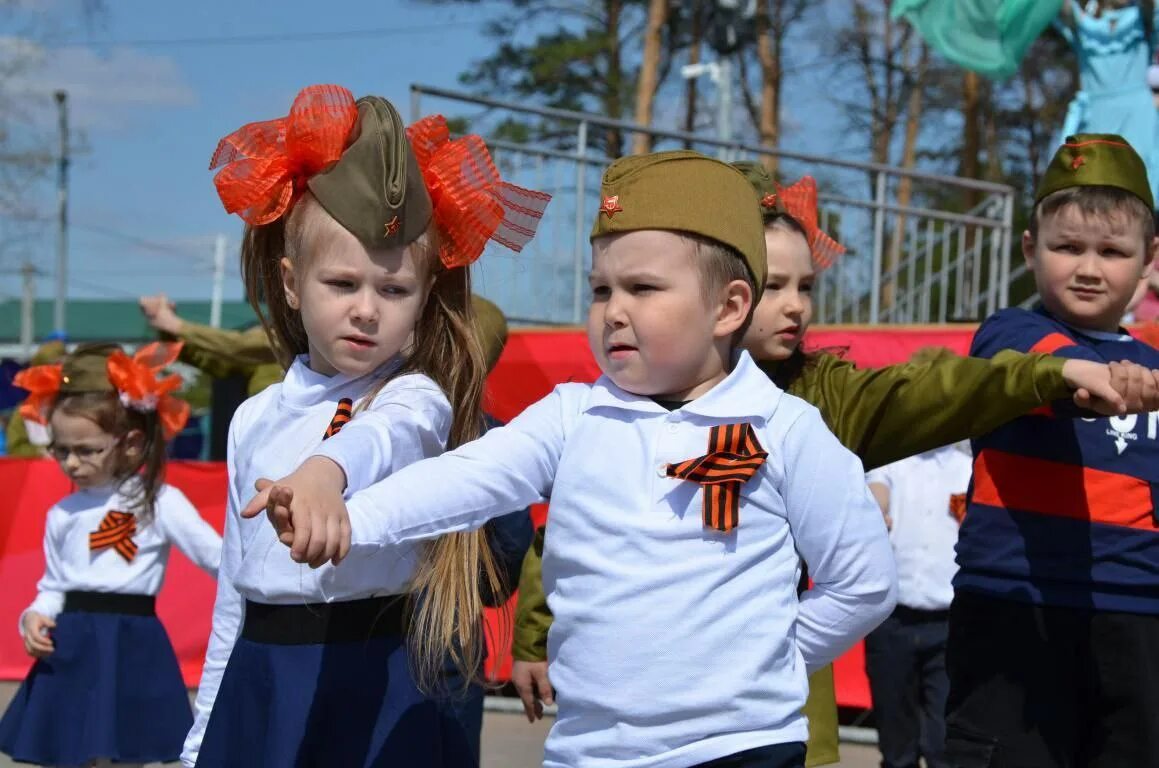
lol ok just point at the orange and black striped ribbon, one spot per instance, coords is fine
(341, 416)
(733, 457)
(116, 530)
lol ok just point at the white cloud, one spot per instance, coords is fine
(100, 85)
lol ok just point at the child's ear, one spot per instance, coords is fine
(290, 283)
(1149, 256)
(133, 444)
(734, 309)
(1028, 249)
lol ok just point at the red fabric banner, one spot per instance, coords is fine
(532, 364)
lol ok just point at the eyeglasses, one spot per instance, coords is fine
(83, 453)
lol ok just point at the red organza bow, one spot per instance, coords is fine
(267, 164)
(472, 204)
(43, 385)
(136, 379)
(800, 201)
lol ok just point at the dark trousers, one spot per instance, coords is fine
(1035, 686)
(905, 659)
(790, 755)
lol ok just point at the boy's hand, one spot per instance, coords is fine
(161, 313)
(307, 511)
(1112, 390)
(530, 679)
(37, 640)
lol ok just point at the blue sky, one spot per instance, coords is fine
(150, 113)
(153, 86)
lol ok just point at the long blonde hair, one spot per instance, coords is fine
(455, 569)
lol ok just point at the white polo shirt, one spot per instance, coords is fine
(924, 530)
(673, 644)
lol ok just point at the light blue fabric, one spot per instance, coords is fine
(1113, 53)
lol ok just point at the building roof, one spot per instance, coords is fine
(103, 320)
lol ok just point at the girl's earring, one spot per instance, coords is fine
(292, 302)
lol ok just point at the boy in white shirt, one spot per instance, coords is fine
(922, 498)
(684, 486)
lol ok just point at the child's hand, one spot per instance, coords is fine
(530, 679)
(37, 640)
(307, 511)
(1112, 390)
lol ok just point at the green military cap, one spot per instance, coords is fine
(490, 329)
(86, 369)
(376, 190)
(1096, 160)
(49, 352)
(763, 184)
(684, 191)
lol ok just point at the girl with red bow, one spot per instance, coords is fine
(359, 237)
(106, 685)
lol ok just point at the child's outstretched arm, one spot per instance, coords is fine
(839, 531)
(508, 468)
(887, 414)
(407, 422)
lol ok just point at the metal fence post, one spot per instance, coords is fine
(581, 146)
(878, 244)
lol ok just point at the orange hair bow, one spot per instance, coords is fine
(800, 201)
(43, 385)
(472, 204)
(136, 379)
(267, 164)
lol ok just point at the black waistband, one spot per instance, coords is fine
(110, 602)
(316, 623)
(918, 615)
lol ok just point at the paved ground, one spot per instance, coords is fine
(510, 742)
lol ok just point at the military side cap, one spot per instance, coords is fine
(375, 190)
(86, 369)
(684, 191)
(490, 329)
(762, 183)
(50, 352)
(1096, 160)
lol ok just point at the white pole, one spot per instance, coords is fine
(218, 280)
(58, 317)
(723, 76)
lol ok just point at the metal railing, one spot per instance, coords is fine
(904, 263)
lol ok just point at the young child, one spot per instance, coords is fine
(1055, 618)
(652, 580)
(882, 414)
(358, 241)
(106, 685)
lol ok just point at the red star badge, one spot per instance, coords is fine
(392, 227)
(611, 206)
(1078, 162)
(769, 201)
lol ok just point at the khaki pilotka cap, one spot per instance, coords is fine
(376, 189)
(1096, 160)
(684, 191)
(87, 369)
(763, 183)
(490, 328)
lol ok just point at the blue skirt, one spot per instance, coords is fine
(342, 703)
(111, 689)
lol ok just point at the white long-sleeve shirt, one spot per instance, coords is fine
(924, 529)
(70, 566)
(271, 434)
(672, 644)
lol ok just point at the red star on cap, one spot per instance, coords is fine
(392, 227)
(769, 201)
(1078, 162)
(611, 205)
